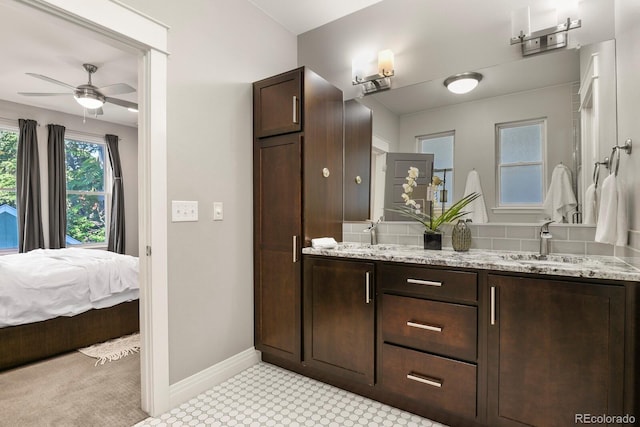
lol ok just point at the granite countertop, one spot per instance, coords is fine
(589, 266)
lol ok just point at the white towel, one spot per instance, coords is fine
(324, 243)
(590, 206)
(612, 216)
(477, 209)
(560, 198)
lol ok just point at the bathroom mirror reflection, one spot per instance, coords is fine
(568, 94)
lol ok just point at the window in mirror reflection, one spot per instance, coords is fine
(520, 150)
(441, 146)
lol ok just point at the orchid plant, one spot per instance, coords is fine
(413, 210)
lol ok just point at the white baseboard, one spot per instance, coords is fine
(192, 386)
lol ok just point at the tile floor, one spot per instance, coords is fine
(266, 395)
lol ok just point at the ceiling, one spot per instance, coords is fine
(300, 16)
(58, 51)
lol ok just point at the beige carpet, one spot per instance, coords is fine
(70, 391)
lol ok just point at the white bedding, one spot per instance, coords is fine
(47, 283)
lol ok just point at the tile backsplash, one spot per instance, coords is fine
(567, 238)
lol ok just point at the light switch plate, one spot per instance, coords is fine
(184, 211)
(217, 211)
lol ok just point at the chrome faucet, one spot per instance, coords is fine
(372, 230)
(545, 238)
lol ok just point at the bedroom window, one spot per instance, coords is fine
(520, 154)
(8, 213)
(86, 196)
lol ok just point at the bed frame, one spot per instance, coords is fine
(35, 341)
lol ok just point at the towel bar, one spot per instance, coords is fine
(596, 170)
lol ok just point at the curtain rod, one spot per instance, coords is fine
(5, 119)
(77, 132)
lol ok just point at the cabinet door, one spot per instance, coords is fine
(277, 228)
(555, 351)
(277, 107)
(357, 161)
(339, 318)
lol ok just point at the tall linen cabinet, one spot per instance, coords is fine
(298, 196)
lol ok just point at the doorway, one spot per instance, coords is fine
(114, 23)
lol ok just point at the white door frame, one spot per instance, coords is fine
(116, 21)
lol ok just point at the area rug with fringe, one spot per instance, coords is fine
(113, 349)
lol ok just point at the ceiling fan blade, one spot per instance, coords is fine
(49, 79)
(116, 89)
(43, 94)
(95, 111)
(122, 103)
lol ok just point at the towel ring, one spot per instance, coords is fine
(596, 170)
(616, 150)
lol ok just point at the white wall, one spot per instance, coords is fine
(128, 147)
(386, 125)
(217, 49)
(474, 126)
(432, 39)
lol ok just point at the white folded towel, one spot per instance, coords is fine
(324, 243)
(560, 198)
(477, 209)
(590, 206)
(612, 226)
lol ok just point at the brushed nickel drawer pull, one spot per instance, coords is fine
(367, 287)
(423, 326)
(419, 378)
(493, 305)
(295, 249)
(423, 282)
(295, 109)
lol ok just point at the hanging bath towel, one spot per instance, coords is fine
(477, 209)
(560, 200)
(612, 222)
(590, 205)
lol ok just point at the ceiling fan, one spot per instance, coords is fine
(89, 96)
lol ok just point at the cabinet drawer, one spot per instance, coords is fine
(428, 379)
(437, 327)
(459, 285)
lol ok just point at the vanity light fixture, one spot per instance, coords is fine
(373, 79)
(463, 83)
(551, 37)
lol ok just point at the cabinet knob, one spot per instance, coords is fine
(358, 180)
(325, 172)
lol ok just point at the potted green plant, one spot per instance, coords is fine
(431, 223)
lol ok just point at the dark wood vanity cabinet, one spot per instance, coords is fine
(297, 181)
(339, 318)
(555, 349)
(277, 104)
(428, 336)
(358, 134)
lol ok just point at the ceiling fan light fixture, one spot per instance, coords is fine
(463, 83)
(89, 100)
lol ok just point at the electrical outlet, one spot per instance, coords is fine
(183, 211)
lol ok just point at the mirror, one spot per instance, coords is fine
(571, 90)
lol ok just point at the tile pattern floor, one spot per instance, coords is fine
(266, 395)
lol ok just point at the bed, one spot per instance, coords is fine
(56, 300)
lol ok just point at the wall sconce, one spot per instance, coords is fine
(549, 38)
(373, 79)
(463, 83)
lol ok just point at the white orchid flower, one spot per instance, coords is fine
(414, 172)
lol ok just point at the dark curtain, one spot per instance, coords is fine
(28, 188)
(57, 187)
(116, 225)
